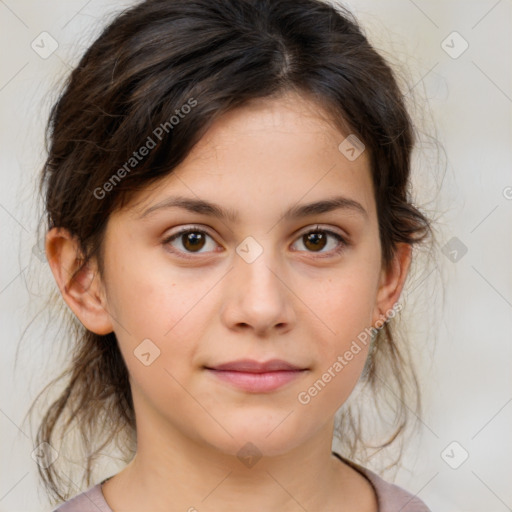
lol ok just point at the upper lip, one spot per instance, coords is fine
(252, 366)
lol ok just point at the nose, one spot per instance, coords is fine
(258, 297)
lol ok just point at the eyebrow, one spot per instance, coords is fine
(204, 207)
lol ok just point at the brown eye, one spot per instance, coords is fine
(193, 241)
(317, 240)
(189, 241)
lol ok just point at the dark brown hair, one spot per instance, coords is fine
(147, 64)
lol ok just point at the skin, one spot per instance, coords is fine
(292, 302)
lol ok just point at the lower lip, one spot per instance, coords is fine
(257, 382)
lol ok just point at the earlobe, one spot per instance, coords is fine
(392, 282)
(81, 288)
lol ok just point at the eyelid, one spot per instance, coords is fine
(329, 229)
(190, 227)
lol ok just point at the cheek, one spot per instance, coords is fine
(345, 306)
(149, 298)
(329, 388)
(341, 357)
(161, 366)
(157, 314)
(160, 320)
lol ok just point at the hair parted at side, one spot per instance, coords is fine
(214, 56)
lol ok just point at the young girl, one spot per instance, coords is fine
(229, 219)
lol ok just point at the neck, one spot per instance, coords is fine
(173, 472)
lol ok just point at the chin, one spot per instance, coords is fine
(255, 437)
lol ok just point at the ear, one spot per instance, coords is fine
(391, 282)
(83, 293)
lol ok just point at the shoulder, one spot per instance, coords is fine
(91, 500)
(391, 497)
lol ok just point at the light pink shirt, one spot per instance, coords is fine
(390, 497)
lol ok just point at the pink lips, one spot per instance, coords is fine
(256, 377)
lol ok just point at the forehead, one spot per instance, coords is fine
(271, 152)
(291, 116)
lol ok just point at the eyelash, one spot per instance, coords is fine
(343, 243)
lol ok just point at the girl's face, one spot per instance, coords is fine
(248, 283)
